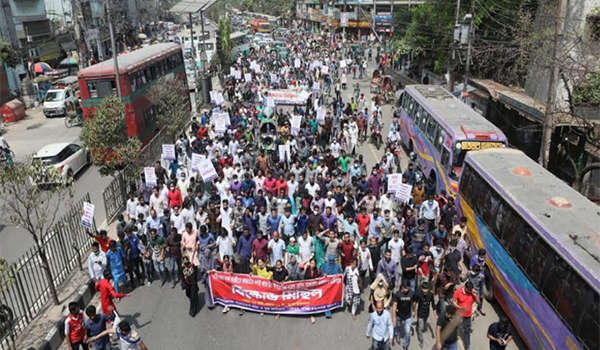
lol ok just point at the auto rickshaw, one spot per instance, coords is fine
(268, 134)
(382, 84)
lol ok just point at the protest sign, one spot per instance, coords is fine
(297, 63)
(150, 176)
(87, 216)
(393, 182)
(316, 86)
(168, 152)
(263, 295)
(404, 192)
(196, 159)
(321, 115)
(248, 77)
(296, 123)
(207, 170)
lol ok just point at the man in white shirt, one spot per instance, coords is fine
(96, 263)
(158, 202)
(305, 243)
(225, 216)
(131, 207)
(225, 243)
(312, 187)
(277, 248)
(292, 184)
(396, 245)
(141, 208)
(177, 220)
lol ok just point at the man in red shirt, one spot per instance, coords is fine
(347, 247)
(74, 328)
(260, 248)
(108, 293)
(463, 300)
(174, 195)
(102, 238)
(362, 220)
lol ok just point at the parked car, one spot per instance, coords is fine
(68, 158)
(56, 101)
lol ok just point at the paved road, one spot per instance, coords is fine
(160, 314)
(25, 138)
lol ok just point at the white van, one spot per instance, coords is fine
(55, 102)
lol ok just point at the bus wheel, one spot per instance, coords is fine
(488, 286)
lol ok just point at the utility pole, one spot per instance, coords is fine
(203, 58)
(451, 71)
(113, 48)
(344, 28)
(549, 121)
(469, 49)
(194, 54)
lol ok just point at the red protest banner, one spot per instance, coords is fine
(263, 295)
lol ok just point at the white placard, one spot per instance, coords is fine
(321, 115)
(270, 102)
(296, 123)
(231, 70)
(87, 216)
(238, 75)
(150, 175)
(207, 170)
(213, 96)
(168, 152)
(325, 69)
(316, 86)
(220, 123)
(393, 182)
(216, 110)
(219, 100)
(274, 79)
(297, 63)
(282, 151)
(404, 192)
(248, 77)
(343, 64)
(196, 159)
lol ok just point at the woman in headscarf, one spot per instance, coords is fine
(311, 271)
(207, 264)
(190, 279)
(380, 291)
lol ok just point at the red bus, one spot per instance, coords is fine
(260, 26)
(137, 71)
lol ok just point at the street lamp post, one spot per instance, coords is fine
(114, 50)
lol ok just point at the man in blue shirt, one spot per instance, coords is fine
(287, 224)
(380, 324)
(244, 246)
(133, 248)
(96, 324)
(302, 222)
(206, 239)
(115, 257)
(273, 222)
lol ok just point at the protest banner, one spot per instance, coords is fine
(321, 114)
(288, 97)
(403, 193)
(393, 182)
(296, 123)
(150, 176)
(207, 170)
(196, 159)
(263, 295)
(87, 215)
(168, 152)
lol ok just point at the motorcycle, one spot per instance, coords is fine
(394, 148)
(376, 136)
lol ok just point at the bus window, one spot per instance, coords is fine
(424, 117)
(573, 300)
(557, 271)
(522, 248)
(101, 88)
(431, 129)
(416, 114)
(466, 183)
(501, 216)
(539, 257)
(446, 161)
(480, 189)
(590, 323)
(458, 159)
(511, 230)
(411, 107)
(439, 139)
(490, 207)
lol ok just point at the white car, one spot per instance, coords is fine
(56, 100)
(68, 158)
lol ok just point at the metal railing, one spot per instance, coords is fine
(115, 194)
(24, 298)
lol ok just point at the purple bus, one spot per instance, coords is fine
(440, 130)
(543, 242)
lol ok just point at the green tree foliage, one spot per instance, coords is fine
(35, 209)
(172, 98)
(106, 137)
(5, 278)
(589, 93)
(503, 33)
(8, 54)
(224, 55)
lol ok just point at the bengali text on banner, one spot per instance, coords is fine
(264, 295)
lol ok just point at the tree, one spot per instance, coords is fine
(5, 278)
(106, 137)
(224, 54)
(8, 54)
(172, 98)
(27, 205)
